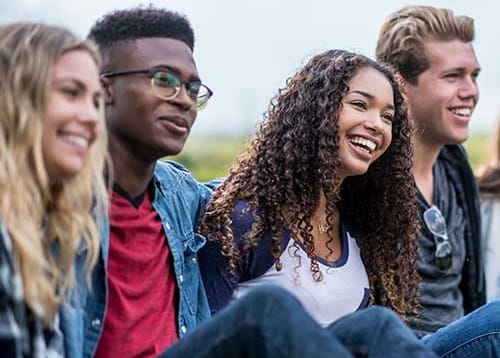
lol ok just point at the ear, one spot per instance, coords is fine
(108, 90)
(402, 84)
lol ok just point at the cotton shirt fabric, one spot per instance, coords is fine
(257, 268)
(141, 316)
(440, 290)
(343, 289)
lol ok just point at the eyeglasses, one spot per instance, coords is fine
(167, 85)
(436, 224)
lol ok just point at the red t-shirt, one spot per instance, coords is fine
(141, 311)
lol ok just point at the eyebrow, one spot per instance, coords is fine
(462, 70)
(370, 96)
(74, 81)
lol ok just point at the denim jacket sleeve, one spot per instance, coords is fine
(180, 202)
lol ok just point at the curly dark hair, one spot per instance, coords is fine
(294, 158)
(121, 26)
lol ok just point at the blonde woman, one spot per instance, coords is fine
(489, 187)
(52, 145)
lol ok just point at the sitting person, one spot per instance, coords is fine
(148, 296)
(52, 141)
(432, 50)
(322, 203)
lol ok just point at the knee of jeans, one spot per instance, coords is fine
(380, 313)
(491, 308)
(270, 295)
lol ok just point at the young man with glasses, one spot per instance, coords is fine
(147, 291)
(432, 51)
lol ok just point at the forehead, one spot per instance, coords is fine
(445, 55)
(371, 81)
(152, 52)
(76, 64)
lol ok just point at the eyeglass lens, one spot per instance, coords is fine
(168, 85)
(436, 224)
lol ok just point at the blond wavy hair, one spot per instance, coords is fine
(403, 35)
(48, 221)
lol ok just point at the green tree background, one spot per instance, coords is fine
(209, 157)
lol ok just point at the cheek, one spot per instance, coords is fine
(387, 141)
(193, 113)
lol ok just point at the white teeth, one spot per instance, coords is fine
(75, 139)
(366, 143)
(462, 112)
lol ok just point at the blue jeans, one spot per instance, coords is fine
(269, 322)
(477, 335)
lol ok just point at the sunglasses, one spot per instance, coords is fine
(435, 223)
(167, 85)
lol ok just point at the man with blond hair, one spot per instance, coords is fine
(432, 50)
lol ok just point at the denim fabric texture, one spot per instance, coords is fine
(477, 335)
(180, 202)
(270, 322)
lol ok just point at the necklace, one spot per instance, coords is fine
(323, 228)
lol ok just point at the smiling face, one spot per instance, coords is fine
(138, 120)
(365, 121)
(71, 116)
(442, 102)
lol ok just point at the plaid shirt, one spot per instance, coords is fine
(21, 333)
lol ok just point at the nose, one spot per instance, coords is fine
(469, 89)
(183, 100)
(375, 123)
(90, 113)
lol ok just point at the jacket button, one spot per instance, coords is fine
(183, 329)
(95, 322)
(193, 259)
(181, 278)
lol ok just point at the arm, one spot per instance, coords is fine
(219, 282)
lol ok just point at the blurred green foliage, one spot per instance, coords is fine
(477, 147)
(209, 157)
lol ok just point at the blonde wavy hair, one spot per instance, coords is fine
(403, 34)
(48, 221)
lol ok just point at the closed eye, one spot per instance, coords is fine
(359, 104)
(451, 76)
(388, 117)
(70, 91)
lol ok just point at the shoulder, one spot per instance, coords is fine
(177, 179)
(243, 217)
(172, 170)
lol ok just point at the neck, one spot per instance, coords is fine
(319, 218)
(131, 172)
(425, 155)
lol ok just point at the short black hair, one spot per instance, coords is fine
(121, 26)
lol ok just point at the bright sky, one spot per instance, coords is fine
(245, 49)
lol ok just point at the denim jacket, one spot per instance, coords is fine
(180, 202)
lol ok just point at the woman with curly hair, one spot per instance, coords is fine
(489, 187)
(323, 201)
(52, 145)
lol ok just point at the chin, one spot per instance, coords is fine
(355, 171)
